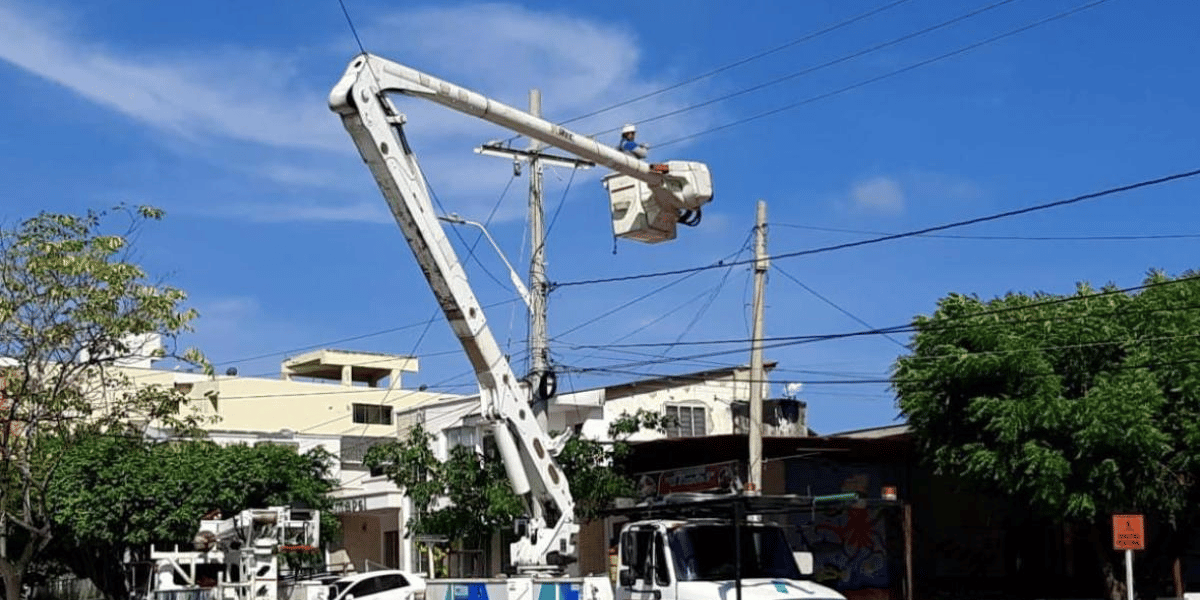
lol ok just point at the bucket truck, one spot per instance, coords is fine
(647, 201)
(237, 558)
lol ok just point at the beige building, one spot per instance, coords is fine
(342, 401)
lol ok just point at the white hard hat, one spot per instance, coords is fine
(628, 128)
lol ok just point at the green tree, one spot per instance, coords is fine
(596, 471)
(72, 305)
(469, 497)
(1080, 406)
(466, 498)
(114, 496)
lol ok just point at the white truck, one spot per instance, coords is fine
(238, 558)
(646, 201)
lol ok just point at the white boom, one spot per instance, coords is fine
(662, 194)
(646, 200)
(360, 98)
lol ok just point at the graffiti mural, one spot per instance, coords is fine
(849, 547)
(854, 546)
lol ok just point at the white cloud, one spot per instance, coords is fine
(504, 50)
(228, 103)
(881, 195)
(943, 188)
(374, 212)
(246, 96)
(230, 307)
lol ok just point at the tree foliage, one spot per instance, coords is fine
(596, 471)
(72, 305)
(1080, 406)
(468, 497)
(113, 496)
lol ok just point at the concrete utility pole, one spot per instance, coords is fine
(539, 352)
(757, 376)
(540, 376)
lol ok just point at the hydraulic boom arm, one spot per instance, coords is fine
(646, 200)
(360, 98)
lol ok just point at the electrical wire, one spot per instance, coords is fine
(887, 75)
(651, 323)
(557, 209)
(895, 236)
(947, 323)
(707, 74)
(835, 306)
(1060, 238)
(716, 290)
(353, 29)
(850, 376)
(813, 69)
(339, 341)
(719, 264)
(880, 381)
(806, 38)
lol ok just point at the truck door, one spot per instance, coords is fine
(644, 572)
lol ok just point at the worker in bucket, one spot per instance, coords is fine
(630, 146)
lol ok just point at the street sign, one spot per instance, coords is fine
(1129, 532)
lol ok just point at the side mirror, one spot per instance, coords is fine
(625, 577)
(804, 560)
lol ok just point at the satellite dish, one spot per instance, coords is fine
(792, 389)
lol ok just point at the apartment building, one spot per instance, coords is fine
(342, 401)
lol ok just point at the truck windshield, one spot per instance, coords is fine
(706, 552)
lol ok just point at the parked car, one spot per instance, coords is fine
(378, 585)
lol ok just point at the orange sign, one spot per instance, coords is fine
(1129, 532)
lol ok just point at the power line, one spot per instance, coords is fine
(740, 62)
(719, 264)
(948, 323)
(712, 297)
(946, 356)
(353, 29)
(835, 306)
(913, 233)
(887, 75)
(737, 63)
(813, 69)
(865, 381)
(1061, 238)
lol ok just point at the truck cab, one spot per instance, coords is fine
(664, 559)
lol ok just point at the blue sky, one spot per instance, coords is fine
(217, 113)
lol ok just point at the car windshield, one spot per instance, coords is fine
(707, 553)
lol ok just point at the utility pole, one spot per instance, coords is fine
(540, 376)
(539, 352)
(757, 376)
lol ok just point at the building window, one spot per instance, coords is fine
(373, 414)
(686, 421)
(460, 436)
